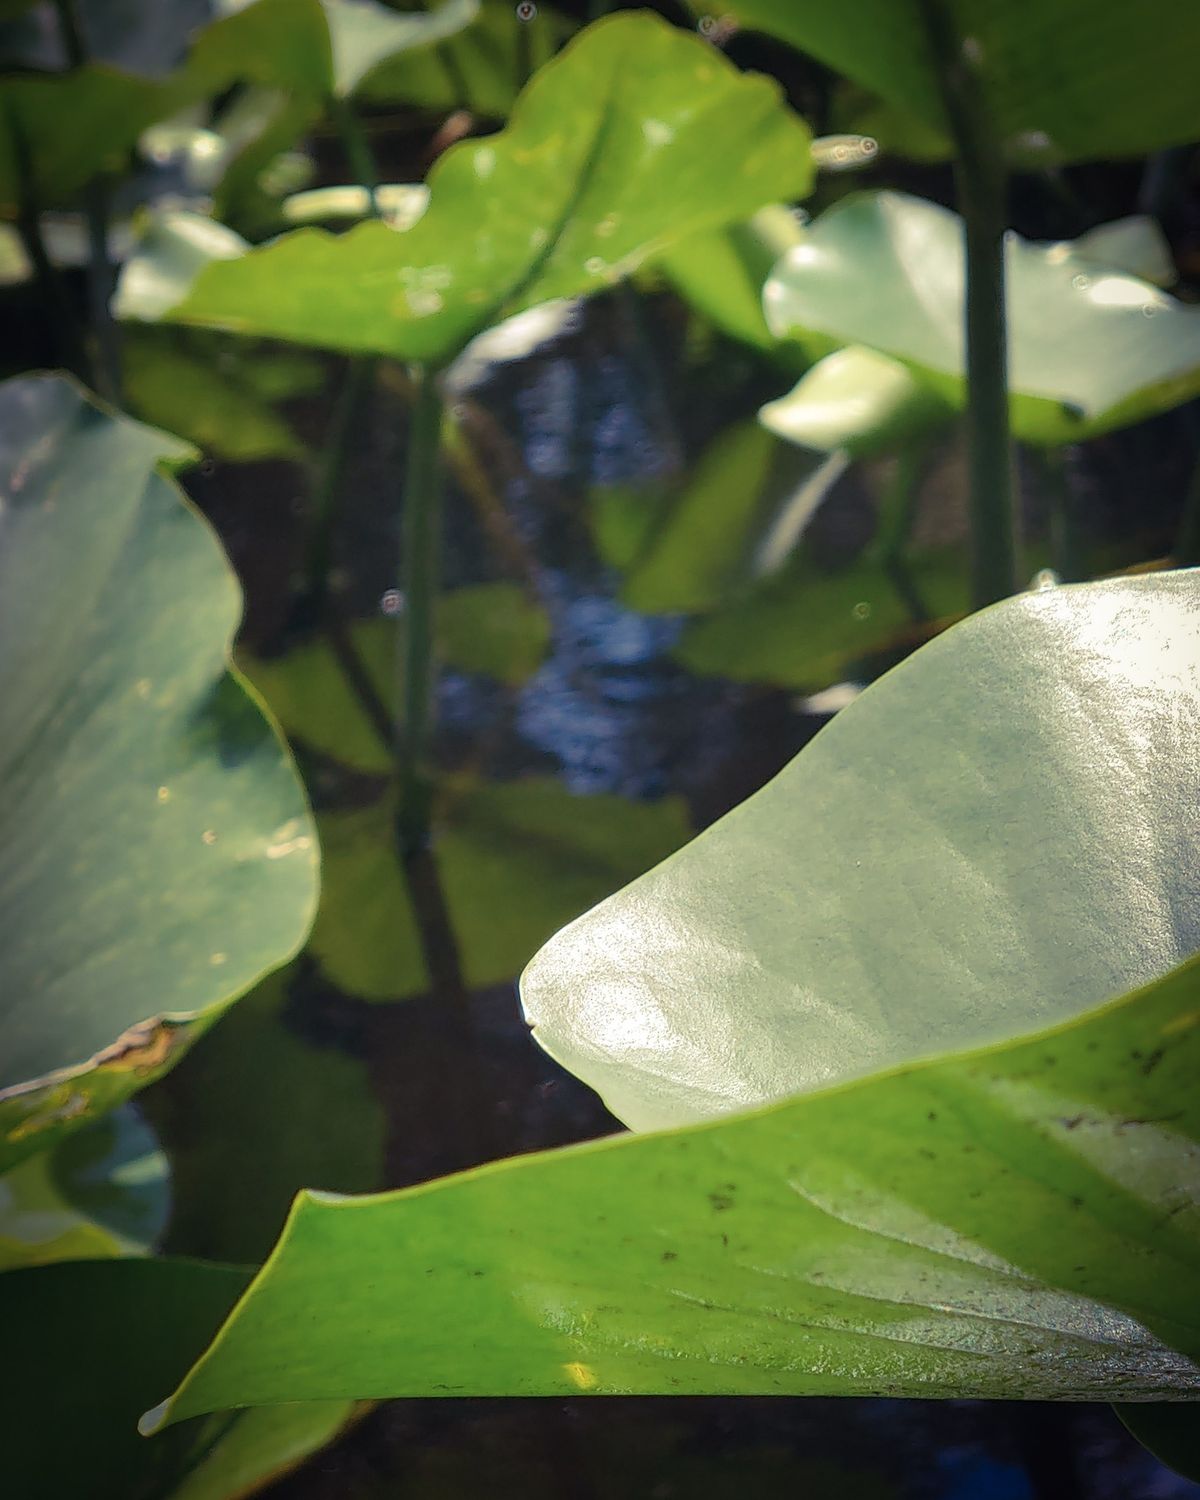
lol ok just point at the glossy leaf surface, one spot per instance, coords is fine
(1089, 348)
(1014, 1222)
(1063, 80)
(157, 852)
(635, 136)
(996, 835)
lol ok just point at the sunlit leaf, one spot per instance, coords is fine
(1089, 348)
(157, 853)
(516, 861)
(996, 835)
(858, 400)
(637, 135)
(1013, 1222)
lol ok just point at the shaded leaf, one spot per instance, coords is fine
(490, 628)
(104, 1191)
(157, 853)
(635, 136)
(722, 273)
(1089, 348)
(1011, 1222)
(480, 68)
(1062, 80)
(255, 1112)
(1168, 1431)
(516, 860)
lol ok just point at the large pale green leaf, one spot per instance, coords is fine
(156, 854)
(996, 835)
(1089, 348)
(1065, 79)
(1019, 1222)
(516, 861)
(635, 136)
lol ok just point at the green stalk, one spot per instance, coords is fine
(1067, 539)
(981, 182)
(419, 574)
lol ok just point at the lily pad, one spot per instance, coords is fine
(635, 136)
(1010, 1222)
(1090, 348)
(158, 855)
(490, 628)
(516, 860)
(857, 400)
(1065, 80)
(995, 836)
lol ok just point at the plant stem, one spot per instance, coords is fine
(1066, 535)
(358, 150)
(980, 178)
(419, 573)
(69, 31)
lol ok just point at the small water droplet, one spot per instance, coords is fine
(594, 266)
(217, 959)
(1149, 310)
(607, 225)
(526, 11)
(164, 794)
(862, 610)
(392, 602)
(209, 836)
(1081, 282)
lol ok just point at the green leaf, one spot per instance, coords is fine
(857, 400)
(57, 132)
(326, 48)
(156, 852)
(261, 1446)
(239, 1084)
(105, 1191)
(490, 628)
(1064, 80)
(516, 861)
(204, 390)
(722, 273)
(1012, 1222)
(635, 136)
(1089, 348)
(480, 69)
(993, 837)
(808, 628)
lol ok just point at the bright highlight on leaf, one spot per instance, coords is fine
(635, 136)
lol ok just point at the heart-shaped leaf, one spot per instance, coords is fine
(993, 837)
(1015, 1222)
(157, 854)
(1063, 80)
(1089, 348)
(635, 136)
